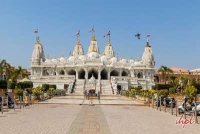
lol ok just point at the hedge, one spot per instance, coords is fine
(24, 85)
(162, 86)
(3, 84)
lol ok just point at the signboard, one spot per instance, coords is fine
(9, 90)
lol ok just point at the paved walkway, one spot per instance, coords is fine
(97, 119)
(90, 120)
(105, 100)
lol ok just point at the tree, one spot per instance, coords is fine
(165, 72)
(2, 65)
(19, 73)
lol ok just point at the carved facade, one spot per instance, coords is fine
(107, 69)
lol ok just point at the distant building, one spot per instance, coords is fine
(177, 72)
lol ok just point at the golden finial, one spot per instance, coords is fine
(108, 44)
(78, 42)
(38, 39)
(93, 37)
(93, 50)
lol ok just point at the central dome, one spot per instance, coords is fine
(93, 55)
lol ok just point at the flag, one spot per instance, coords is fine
(108, 34)
(36, 31)
(92, 30)
(148, 35)
(78, 32)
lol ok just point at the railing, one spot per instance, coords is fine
(112, 87)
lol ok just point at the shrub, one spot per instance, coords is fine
(172, 90)
(24, 85)
(11, 85)
(37, 91)
(52, 86)
(164, 93)
(60, 92)
(45, 87)
(3, 84)
(18, 92)
(190, 92)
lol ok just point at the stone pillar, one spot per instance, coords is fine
(86, 74)
(108, 75)
(41, 71)
(120, 72)
(99, 74)
(76, 74)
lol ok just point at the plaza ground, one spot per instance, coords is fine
(66, 118)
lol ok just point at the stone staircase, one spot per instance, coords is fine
(106, 87)
(79, 86)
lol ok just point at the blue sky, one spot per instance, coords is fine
(173, 24)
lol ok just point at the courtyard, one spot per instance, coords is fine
(69, 118)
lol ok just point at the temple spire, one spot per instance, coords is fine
(148, 36)
(108, 41)
(93, 35)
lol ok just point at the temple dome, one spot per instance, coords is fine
(48, 60)
(124, 60)
(138, 62)
(71, 58)
(103, 58)
(54, 60)
(82, 57)
(113, 59)
(63, 59)
(93, 55)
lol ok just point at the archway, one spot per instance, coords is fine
(61, 72)
(104, 74)
(93, 72)
(81, 74)
(114, 73)
(45, 73)
(124, 73)
(71, 72)
(140, 75)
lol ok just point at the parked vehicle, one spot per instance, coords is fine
(198, 108)
(169, 102)
(166, 102)
(10, 101)
(185, 108)
(0, 103)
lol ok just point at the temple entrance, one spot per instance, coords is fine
(66, 87)
(93, 72)
(124, 73)
(71, 72)
(61, 72)
(114, 73)
(81, 74)
(104, 74)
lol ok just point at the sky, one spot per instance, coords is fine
(173, 25)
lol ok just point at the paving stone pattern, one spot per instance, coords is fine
(90, 120)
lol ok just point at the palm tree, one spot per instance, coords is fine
(165, 71)
(19, 73)
(2, 65)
